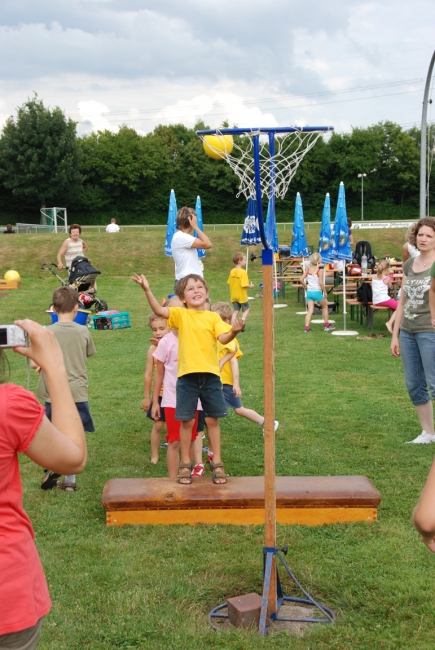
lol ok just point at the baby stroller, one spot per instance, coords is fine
(83, 279)
(361, 248)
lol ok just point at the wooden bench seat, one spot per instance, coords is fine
(372, 311)
(308, 500)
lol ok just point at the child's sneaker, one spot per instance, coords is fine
(275, 426)
(67, 486)
(423, 439)
(49, 480)
(307, 329)
(328, 328)
(198, 470)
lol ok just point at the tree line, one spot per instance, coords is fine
(129, 176)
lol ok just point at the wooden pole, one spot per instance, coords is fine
(269, 418)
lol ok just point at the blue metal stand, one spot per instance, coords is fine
(269, 553)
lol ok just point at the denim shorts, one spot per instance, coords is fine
(231, 400)
(84, 412)
(204, 386)
(418, 359)
(237, 306)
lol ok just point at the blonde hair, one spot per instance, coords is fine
(223, 309)
(315, 259)
(153, 317)
(382, 266)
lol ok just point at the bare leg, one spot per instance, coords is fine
(155, 440)
(197, 449)
(214, 435)
(249, 414)
(310, 309)
(185, 440)
(425, 415)
(173, 458)
(234, 317)
(325, 313)
(245, 314)
(389, 324)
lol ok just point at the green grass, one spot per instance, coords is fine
(343, 409)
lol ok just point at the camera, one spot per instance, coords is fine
(12, 335)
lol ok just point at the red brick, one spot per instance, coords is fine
(244, 611)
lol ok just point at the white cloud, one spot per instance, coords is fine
(91, 113)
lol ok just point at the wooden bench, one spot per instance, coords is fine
(304, 500)
(371, 311)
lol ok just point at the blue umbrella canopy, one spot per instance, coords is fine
(172, 223)
(251, 232)
(198, 210)
(270, 227)
(325, 239)
(299, 241)
(341, 243)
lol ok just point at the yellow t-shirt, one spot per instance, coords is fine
(238, 282)
(226, 372)
(197, 339)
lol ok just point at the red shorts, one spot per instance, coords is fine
(173, 425)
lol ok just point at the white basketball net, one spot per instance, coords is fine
(290, 148)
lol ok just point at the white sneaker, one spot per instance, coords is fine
(276, 425)
(423, 439)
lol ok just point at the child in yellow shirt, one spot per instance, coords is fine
(199, 331)
(239, 283)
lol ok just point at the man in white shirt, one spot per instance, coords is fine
(113, 226)
(184, 246)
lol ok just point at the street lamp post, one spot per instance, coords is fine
(361, 176)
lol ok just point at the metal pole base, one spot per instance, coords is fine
(328, 614)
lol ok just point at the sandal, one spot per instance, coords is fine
(219, 477)
(66, 486)
(49, 480)
(198, 469)
(184, 475)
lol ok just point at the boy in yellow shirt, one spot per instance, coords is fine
(230, 372)
(199, 330)
(239, 283)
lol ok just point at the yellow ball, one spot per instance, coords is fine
(12, 275)
(216, 146)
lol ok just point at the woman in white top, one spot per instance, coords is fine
(71, 247)
(380, 286)
(184, 246)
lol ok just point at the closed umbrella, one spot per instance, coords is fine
(172, 223)
(272, 238)
(341, 251)
(299, 246)
(251, 232)
(198, 210)
(325, 239)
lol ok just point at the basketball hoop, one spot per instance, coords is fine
(265, 167)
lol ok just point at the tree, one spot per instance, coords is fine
(39, 157)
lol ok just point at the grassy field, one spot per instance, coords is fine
(343, 409)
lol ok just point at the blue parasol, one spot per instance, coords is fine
(198, 210)
(270, 226)
(299, 241)
(251, 232)
(341, 243)
(172, 223)
(325, 239)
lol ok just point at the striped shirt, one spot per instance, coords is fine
(74, 249)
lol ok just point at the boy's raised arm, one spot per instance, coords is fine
(227, 337)
(153, 302)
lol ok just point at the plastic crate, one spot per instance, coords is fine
(111, 321)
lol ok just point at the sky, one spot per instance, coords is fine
(345, 63)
